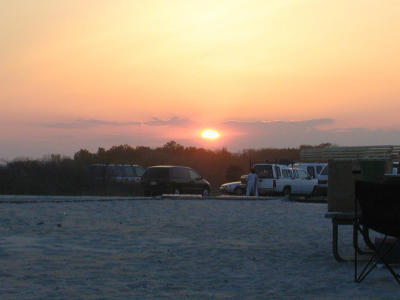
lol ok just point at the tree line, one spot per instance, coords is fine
(62, 175)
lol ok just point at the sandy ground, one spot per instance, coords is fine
(177, 249)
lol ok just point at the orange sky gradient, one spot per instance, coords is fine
(87, 74)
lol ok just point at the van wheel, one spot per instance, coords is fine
(205, 193)
(286, 192)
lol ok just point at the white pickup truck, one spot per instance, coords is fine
(281, 179)
(273, 178)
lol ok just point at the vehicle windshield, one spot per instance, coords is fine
(319, 168)
(324, 171)
(179, 173)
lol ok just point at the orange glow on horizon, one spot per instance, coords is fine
(85, 74)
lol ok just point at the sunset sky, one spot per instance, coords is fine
(264, 73)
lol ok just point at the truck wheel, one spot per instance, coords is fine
(286, 192)
(314, 191)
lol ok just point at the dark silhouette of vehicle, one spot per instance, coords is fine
(116, 173)
(159, 180)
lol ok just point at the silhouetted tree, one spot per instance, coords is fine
(56, 174)
(84, 157)
(233, 172)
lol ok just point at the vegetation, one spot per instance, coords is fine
(61, 175)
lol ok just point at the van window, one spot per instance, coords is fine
(310, 171)
(156, 173)
(286, 173)
(179, 173)
(128, 171)
(264, 171)
(113, 171)
(139, 171)
(194, 175)
(301, 174)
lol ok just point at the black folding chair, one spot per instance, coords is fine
(377, 207)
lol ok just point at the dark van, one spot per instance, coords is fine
(159, 180)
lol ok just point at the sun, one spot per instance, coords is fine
(210, 134)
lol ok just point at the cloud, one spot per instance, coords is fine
(275, 134)
(87, 123)
(174, 121)
(262, 125)
(91, 123)
(362, 136)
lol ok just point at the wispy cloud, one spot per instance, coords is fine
(294, 133)
(87, 123)
(91, 123)
(174, 121)
(262, 125)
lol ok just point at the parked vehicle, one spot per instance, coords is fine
(272, 178)
(174, 180)
(396, 168)
(322, 186)
(281, 179)
(116, 173)
(313, 169)
(232, 188)
(302, 184)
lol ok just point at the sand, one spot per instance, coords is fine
(177, 249)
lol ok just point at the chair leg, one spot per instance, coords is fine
(381, 258)
(366, 238)
(368, 267)
(365, 234)
(355, 242)
(372, 263)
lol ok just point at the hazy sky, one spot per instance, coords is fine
(265, 73)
